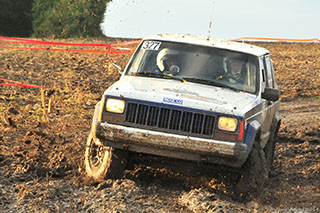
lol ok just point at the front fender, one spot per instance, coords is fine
(95, 119)
(96, 113)
(251, 133)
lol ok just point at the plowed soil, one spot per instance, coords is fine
(41, 160)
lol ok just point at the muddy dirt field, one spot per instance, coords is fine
(41, 162)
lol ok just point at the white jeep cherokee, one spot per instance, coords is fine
(191, 98)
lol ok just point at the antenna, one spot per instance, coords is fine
(210, 22)
(209, 31)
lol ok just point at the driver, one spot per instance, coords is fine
(167, 62)
(233, 68)
(236, 67)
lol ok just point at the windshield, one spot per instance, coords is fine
(195, 63)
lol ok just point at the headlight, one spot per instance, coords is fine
(227, 124)
(115, 105)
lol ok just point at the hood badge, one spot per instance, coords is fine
(172, 100)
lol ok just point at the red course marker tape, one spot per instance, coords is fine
(277, 39)
(17, 84)
(110, 47)
(54, 43)
(68, 50)
(21, 85)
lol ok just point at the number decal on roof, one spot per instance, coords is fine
(151, 45)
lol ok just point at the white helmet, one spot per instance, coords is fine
(228, 65)
(163, 55)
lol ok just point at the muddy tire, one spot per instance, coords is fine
(270, 146)
(103, 162)
(253, 175)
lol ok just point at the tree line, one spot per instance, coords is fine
(52, 18)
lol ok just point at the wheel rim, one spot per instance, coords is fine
(96, 154)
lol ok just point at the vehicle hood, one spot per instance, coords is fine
(183, 94)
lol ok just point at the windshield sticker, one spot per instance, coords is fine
(172, 100)
(151, 45)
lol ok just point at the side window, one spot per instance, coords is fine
(263, 78)
(268, 71)
(273, 76)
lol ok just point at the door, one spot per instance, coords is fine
(268, 106)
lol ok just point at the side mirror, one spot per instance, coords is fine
(271, 94)
(118, 68)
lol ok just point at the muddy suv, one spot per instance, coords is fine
(186, 97)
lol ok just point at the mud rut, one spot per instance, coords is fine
(41, 163)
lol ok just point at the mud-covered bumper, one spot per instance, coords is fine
(171, 145)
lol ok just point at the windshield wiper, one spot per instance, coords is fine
(209, 82)
(162, 75)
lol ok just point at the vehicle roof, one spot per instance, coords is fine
(212, 42)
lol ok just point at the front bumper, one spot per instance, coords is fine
(171, 145)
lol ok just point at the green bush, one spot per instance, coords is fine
(68, 18)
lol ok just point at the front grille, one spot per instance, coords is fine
(167, 119)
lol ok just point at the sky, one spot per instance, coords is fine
(230, 19)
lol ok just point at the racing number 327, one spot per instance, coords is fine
(151, 45)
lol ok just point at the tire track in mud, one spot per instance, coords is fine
(300, 120)
(294, 180)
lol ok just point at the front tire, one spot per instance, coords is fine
(270, 146)
(253, 174)
(102, 162)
